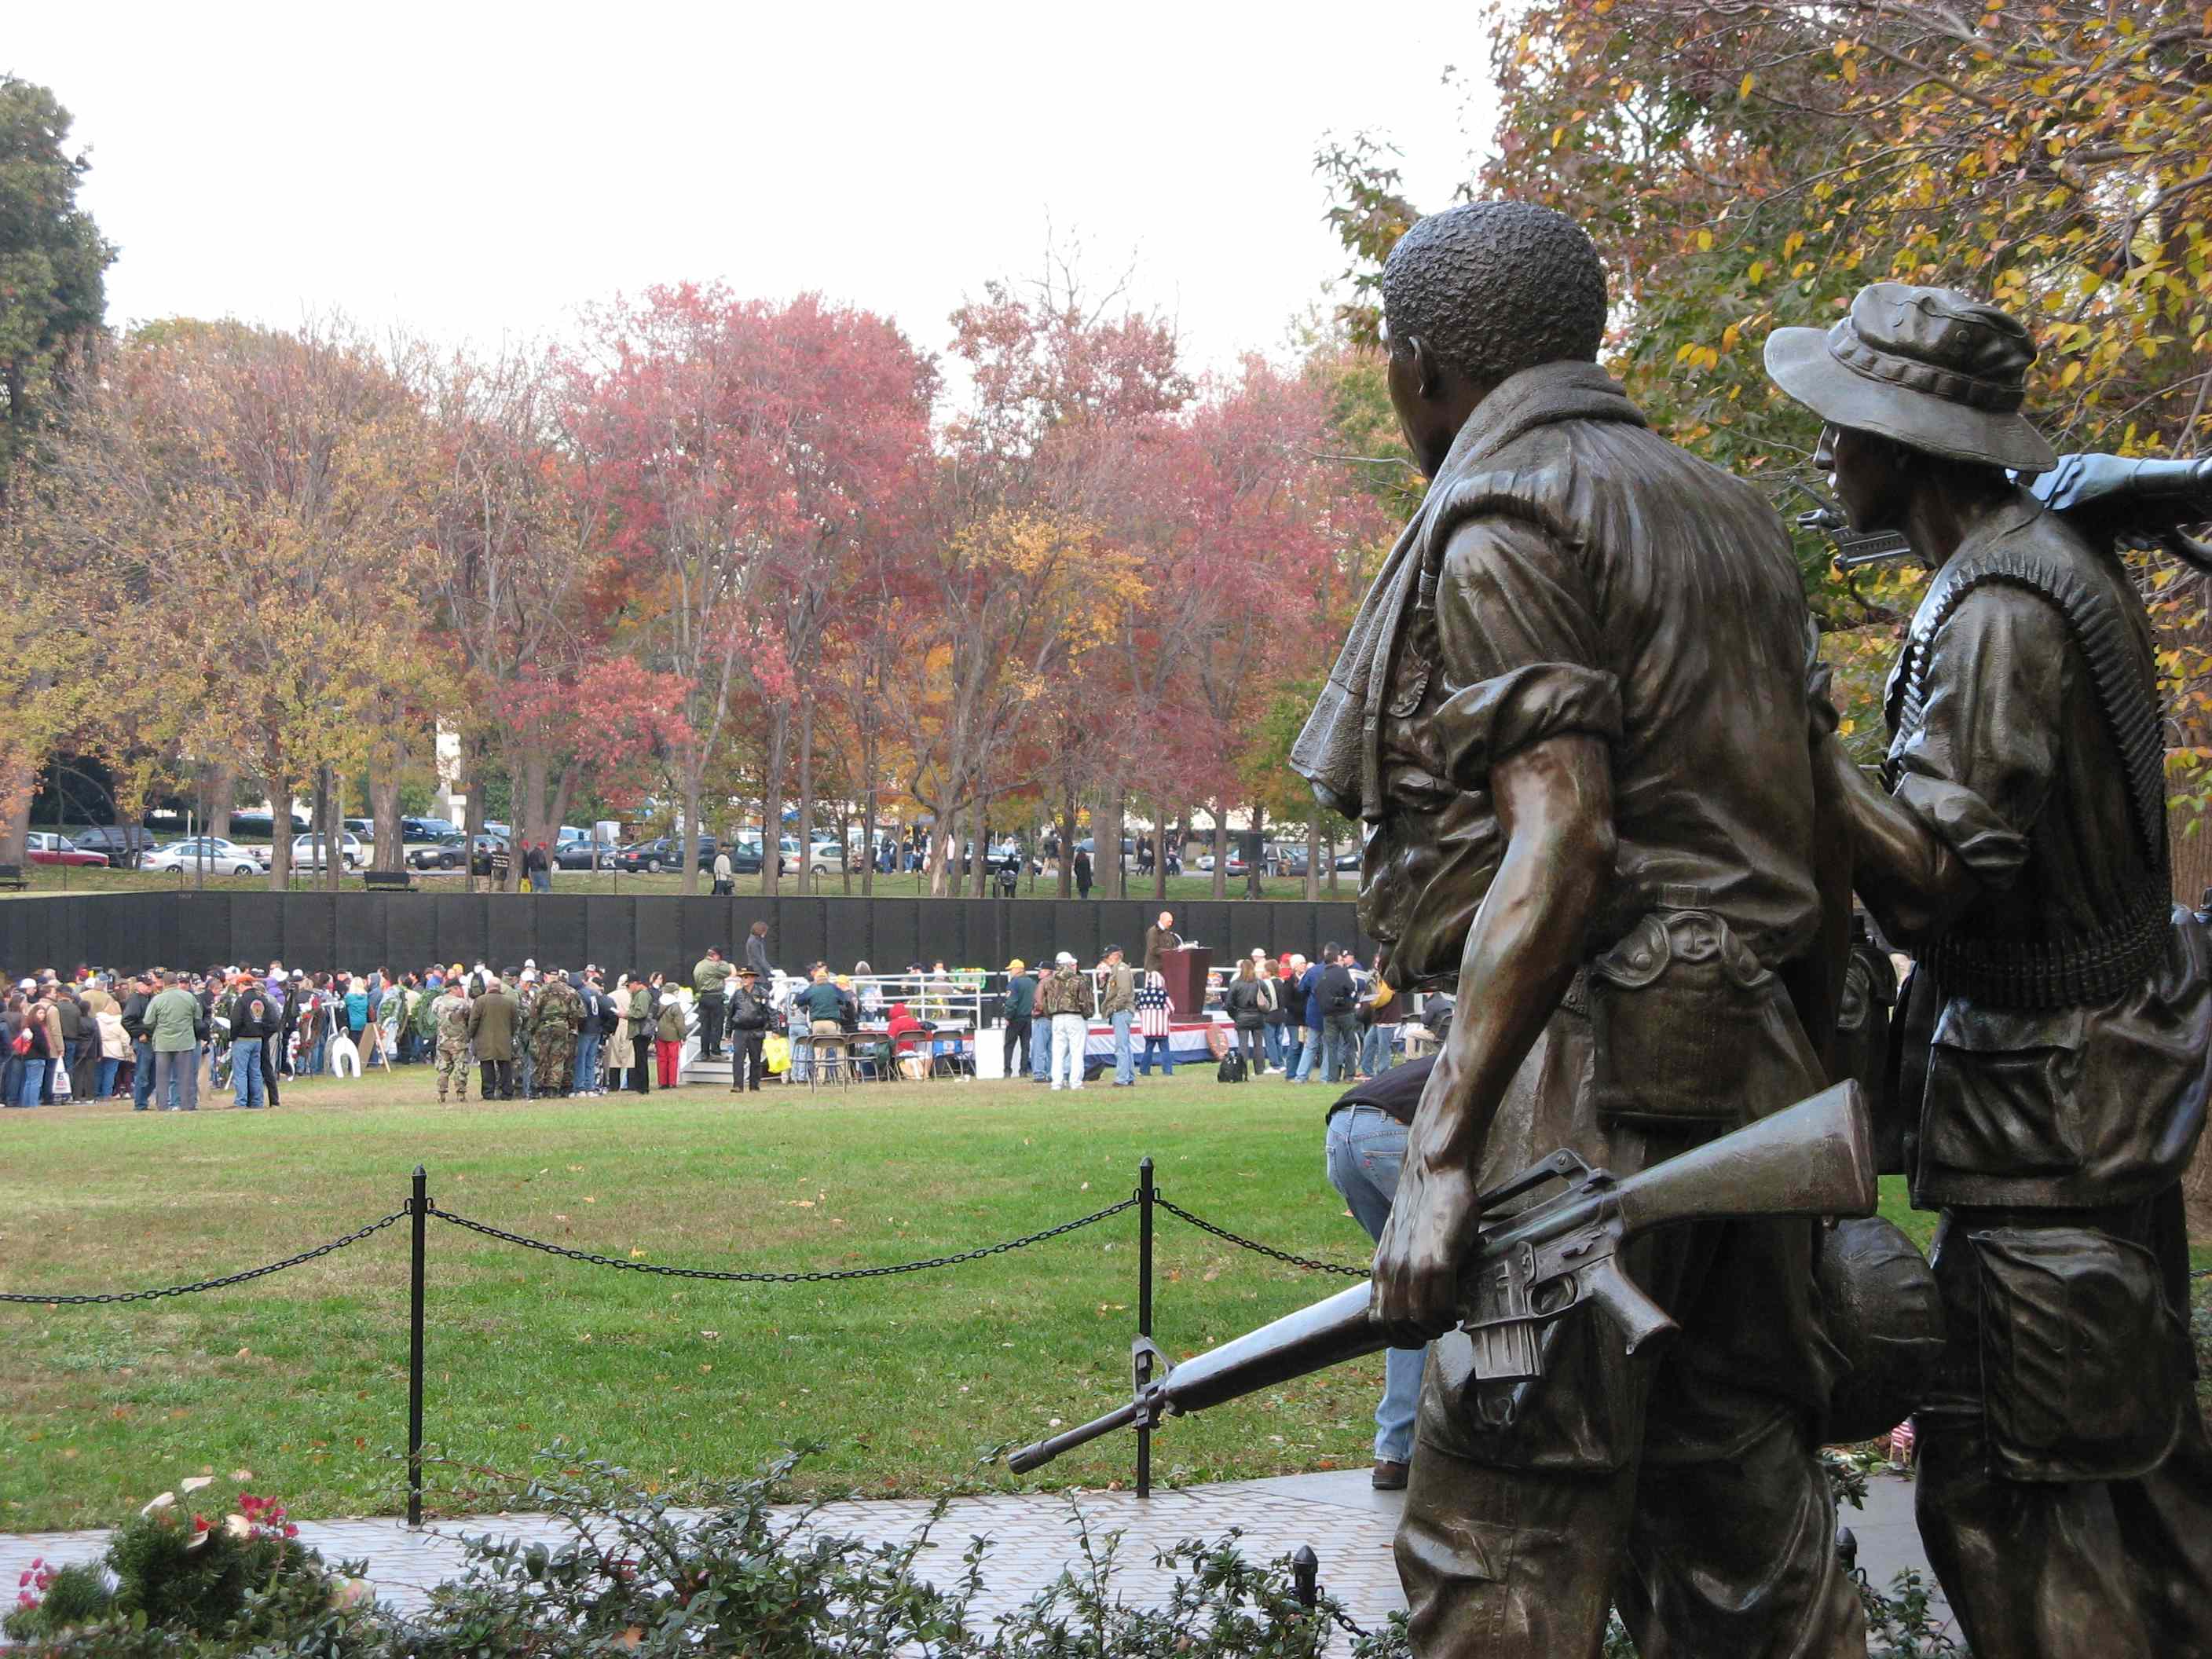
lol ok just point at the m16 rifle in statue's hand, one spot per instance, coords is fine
(1538, 1264)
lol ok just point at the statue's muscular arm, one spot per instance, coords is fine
(1554, 802)
(1906, 875)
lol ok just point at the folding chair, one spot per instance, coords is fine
(829, 1058)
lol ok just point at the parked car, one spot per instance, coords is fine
(306, 854)
(1235, 866)
(584, 855)
(1293, 862)
(124, 844)
(447, 852)
(253, 827)
(41, 847)
(663, 853)
(427, 829)
(213, 854)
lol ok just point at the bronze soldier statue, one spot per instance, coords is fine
(2054, 1035)
(1573, 715)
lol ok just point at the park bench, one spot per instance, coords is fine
(11, 875)
(388, 881)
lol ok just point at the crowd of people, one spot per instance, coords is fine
(162, 1036)
(151, 1036)
(1327, 1020)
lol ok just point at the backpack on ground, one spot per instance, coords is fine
(1232, 1069)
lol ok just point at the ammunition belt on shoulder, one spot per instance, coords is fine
(2059, 973)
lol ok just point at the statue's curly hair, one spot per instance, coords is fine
(1497, 287)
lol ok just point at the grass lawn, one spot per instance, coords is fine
(1181, 890)
(903, 1381)
(301, 1377)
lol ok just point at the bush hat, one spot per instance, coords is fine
(1928, 367)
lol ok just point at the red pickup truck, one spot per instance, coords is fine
(40, 848)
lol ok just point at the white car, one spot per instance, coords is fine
(212, 854)
(352, 851)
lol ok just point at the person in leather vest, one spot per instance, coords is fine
(1573, 717)
(2053, 1036)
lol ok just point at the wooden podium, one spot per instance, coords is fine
(1184, 970)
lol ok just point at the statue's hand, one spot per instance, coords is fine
(1417, 1264)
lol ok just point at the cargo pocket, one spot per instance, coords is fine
(2001, 1091)
(1686, 1025)
(2084, 1369)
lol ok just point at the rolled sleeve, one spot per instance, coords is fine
(1979, 767)
(1493, 720)
(1517, 638)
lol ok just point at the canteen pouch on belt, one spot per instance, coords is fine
(1688, 1025)
(2085, 1372)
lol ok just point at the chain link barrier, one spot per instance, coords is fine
(373, 1227)
(592, 1260)
(1242, 1244)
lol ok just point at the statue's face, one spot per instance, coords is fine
(1429, 414)
(1866, 475)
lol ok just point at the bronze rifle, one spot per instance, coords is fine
(1534, 1267)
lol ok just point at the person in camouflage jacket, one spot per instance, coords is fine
(451, 1011)
(556, 1015)
(526, 992)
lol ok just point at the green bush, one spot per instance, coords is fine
(634, 1578)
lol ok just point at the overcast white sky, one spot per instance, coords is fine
(474, 170)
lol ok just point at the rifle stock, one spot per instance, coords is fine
(1815, 1158)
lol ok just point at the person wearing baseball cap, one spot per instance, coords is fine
(1020, 1008)
(2055, 1041)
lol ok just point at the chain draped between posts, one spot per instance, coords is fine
(224, 1283)
(592, 1260)
(1269, 1250)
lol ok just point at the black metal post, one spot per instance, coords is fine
(420, 1208)
(1143, 1365)
(1305, 1577)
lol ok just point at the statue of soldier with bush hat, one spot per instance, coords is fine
(2054, 1035)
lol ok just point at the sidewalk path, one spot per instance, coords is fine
(1348, 1524)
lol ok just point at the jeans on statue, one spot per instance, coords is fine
(1124, 1070)
(1366, 1149)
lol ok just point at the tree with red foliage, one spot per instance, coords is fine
(744, 455)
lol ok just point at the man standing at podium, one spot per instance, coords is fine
(1160, 939)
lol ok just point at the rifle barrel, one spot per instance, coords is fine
(1037, 1456)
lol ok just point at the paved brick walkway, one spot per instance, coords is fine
(1348, 1525)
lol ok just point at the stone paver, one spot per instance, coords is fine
(1348, 1524)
